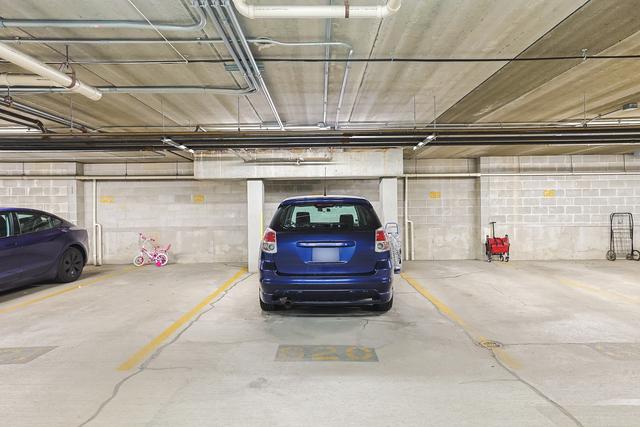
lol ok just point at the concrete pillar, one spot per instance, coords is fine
(389, 200)
(255, 221)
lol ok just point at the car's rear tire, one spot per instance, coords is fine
(267, 307)
(383, 307)
(70, 266)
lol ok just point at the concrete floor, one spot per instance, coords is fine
(569, 355)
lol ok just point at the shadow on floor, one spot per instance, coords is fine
(325, 311)
(25, 290)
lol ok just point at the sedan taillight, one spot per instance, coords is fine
(269, 243)
(382, 243)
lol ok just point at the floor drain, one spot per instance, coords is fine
(490, 344)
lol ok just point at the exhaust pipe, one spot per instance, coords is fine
(286, 302)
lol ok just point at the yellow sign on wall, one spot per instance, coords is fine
(549, 193)
(106, 199)
(198, 198)
(435, 195)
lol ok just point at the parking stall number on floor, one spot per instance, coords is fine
(325, 353)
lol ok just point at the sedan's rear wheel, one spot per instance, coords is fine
(71, 265)
(383, 307)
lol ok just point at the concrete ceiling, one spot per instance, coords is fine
(376, 92)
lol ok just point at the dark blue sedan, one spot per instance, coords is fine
(325, 250)
(37, 246)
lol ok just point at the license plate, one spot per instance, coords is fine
(325, 255)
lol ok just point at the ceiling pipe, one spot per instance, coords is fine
(345, 76)
(137, 89)
(626, 139)
(105, 24)
(327, 55)
(258, 41)
(237, 29)
(292, 12)
(232, 46)
(11, 117)
(37, 67)
(32, 111)
(7, 79)
(227, 25)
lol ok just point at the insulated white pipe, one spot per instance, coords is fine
(406, 219)
(344, 11)
(37, 67)
(7, 79)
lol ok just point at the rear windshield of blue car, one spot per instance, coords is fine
(325, 216)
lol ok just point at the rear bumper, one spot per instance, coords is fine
(376, 288)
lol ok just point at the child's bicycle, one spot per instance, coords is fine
(150, 252)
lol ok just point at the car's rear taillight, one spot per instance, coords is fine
(269, 243)
(382, 243)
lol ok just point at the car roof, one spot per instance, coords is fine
(27, 210)
(17, 209)
(321, 199)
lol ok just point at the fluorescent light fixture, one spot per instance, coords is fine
(425, 141)
(15, 129)
(171, 142)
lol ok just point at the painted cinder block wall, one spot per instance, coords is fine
(553, 207)
(548, 216)
(559, 216)
(21, 187)
(205, 221)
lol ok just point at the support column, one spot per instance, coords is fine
(389, 200)
(255, 222)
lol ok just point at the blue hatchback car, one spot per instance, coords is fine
(37, 246)
(326, 250)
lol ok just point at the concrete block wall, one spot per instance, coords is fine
(20, 187)
(554, 207)
(56, 196)
(558, 217)
(444, 212)
(205, 221)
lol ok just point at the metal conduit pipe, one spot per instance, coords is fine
(18, 106)
(101, 24)
(347, 68)
(241, 53)
(235, 25)
(13, 117)
(344, 11)
(25, 124)
(260, 40)
(136, 89)
(406, 219)
(232, 46)
(37, 67)
(327, 55)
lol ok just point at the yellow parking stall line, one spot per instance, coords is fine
(609, 295)
(499, 352)
(442, 307)
(141, 354)
(79, 285)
